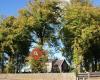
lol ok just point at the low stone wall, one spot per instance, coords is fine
(39, 76)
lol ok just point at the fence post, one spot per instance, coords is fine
(77, 78)
(88, 75)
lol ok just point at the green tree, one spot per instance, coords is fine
(39, 20)
(15, 41)
(79, 18)
(17, 33)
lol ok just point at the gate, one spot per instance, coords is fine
(88, 76)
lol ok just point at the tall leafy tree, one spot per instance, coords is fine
(18, 33)
(39, 20)
(15, 41)
(78, 18)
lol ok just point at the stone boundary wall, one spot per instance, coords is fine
(39, 76)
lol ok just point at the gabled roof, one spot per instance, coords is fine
(58, 62)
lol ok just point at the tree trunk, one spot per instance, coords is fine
(95, 64)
